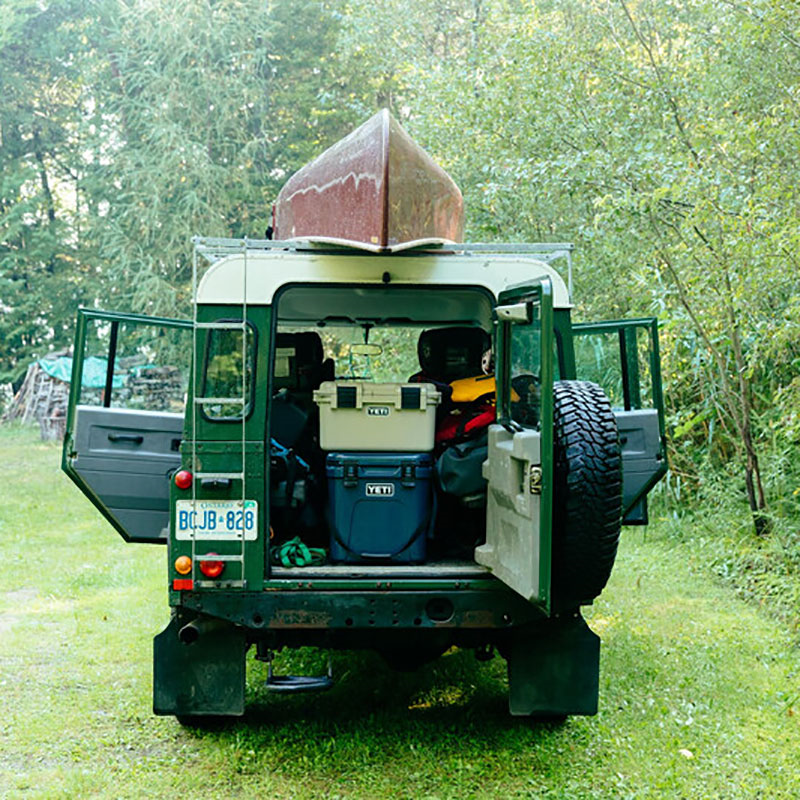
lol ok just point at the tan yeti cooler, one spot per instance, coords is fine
(388, 417)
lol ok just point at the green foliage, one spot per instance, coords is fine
(125, 128)
(662, 138)
(212, 107)
(40, 274)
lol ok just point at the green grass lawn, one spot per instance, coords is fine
(699, 691)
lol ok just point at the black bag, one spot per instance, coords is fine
(287, 420)
(294, 497)
(460, 467)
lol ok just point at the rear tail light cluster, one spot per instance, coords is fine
(183, 479)
(210, 567)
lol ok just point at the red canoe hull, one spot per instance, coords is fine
(376, 189)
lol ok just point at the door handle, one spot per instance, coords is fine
(125, 437)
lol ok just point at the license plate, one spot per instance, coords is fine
(216, 519)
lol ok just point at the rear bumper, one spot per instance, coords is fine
(553, 662)
(301, 616)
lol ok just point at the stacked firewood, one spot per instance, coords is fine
(153, 388)
(43, 399)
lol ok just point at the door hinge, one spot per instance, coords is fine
(535, 479)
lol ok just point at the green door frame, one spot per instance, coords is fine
(540, 292)
(85, 315)
(629, 363)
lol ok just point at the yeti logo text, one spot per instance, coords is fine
(380, 490)
(377, 411)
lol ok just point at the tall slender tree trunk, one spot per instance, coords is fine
(736, 395)
(753, 484)
(48, 194)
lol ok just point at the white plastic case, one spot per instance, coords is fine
(371, 417)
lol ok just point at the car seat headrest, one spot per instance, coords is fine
(448, 354)
(298, 359)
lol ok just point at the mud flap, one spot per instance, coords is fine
(554, 669)
(204, 678)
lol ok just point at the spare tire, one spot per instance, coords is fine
(587, 493)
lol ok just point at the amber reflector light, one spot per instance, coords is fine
(183, 565)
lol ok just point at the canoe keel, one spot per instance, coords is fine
(376, 189)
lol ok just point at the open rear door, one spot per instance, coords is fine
(519, 467)
(125, 417)
(623, 357)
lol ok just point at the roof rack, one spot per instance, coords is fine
(215, 248)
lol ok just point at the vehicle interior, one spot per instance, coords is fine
(387, 339)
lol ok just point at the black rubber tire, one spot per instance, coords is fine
(587, 497)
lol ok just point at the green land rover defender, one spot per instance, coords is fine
(396, 448)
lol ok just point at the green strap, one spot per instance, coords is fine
(294, 553)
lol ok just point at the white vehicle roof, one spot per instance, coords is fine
(264, 273)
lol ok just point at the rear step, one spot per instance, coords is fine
(294, 684)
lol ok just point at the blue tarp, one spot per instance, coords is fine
(94, 371)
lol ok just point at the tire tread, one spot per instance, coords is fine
(587, 510)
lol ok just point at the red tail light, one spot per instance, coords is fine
(183, 479)
(211, 568)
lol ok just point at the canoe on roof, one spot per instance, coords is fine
(376, 189)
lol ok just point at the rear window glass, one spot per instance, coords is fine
(526, 369)
(150, 365)
(229, 374)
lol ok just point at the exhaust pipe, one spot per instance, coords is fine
(189, 634)
(193, 630)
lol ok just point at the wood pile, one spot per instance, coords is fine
(152, 388)
(43, 399)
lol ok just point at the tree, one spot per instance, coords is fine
(127, 127)
(40, 279)
(205, 120)
(662, 138)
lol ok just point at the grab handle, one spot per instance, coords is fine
(125, 437)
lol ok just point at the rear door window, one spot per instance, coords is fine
(229, 373)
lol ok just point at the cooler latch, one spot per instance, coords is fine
(350, 475)
(410, 397)
(408, 474)
(346, 396)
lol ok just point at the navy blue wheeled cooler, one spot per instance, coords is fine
(381, 506)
